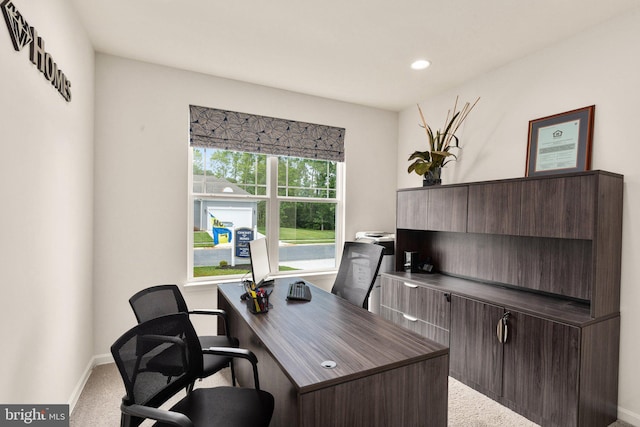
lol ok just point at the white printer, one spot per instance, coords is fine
(386, 240)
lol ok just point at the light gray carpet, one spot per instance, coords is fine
(99, 403)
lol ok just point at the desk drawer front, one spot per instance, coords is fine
(427, 330)
(425, 304)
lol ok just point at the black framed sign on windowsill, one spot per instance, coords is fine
(560, 143)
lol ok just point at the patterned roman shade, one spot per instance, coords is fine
(230, 130)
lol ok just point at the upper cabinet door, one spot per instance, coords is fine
(494, 208)
(559, 207)
(412, 209)
(434, 209)
(447, 209)
(556, 207)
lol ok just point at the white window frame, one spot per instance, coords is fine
(272, 222)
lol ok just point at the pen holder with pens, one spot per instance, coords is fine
(259, 303)
(257, 299)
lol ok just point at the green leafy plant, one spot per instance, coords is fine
(440, 142)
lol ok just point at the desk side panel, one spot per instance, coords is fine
(412, 395)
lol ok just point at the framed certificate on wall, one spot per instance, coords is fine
(560, 143)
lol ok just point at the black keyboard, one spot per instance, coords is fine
(299, 291)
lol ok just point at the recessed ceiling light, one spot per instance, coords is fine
(420, 64)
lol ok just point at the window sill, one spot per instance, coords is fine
(325, 274)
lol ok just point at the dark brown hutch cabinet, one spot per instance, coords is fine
(528, 291)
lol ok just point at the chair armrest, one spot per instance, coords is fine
(169, 417)
(215, 312)
(163, 338)
(239, 353)
(168, 339)
(232, 352)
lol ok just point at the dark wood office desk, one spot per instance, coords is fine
(385, 375)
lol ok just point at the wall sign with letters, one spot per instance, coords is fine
(22, 34)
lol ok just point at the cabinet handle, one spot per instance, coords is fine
(410, 318)
(409, 285)
(502, 329)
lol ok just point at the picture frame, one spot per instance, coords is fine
(560, 143)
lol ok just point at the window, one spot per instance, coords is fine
(236, 196)
(232, 196)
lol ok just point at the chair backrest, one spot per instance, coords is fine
(359, 267)
(157, 301)
(172, 336)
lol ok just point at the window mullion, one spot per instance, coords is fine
(286, 182)
(340, 209)
(273, 213)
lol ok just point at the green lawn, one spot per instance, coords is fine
(227, 271)
(301, 236)
(217, 271)
(202, 239)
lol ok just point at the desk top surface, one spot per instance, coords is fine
(302, 335)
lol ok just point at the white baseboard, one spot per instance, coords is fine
(103, 359)
(95, 361)
(628, 416)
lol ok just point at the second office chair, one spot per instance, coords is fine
(358, 270)
(161, 300)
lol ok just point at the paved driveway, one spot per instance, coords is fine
(213, 256)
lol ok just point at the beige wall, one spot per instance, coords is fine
(597, 67)
(46, 187)
(141, 168)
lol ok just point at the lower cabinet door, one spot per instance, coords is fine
(541, 369)
(475, 350)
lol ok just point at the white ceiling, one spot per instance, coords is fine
(356, 51)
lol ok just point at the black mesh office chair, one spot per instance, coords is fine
(161, 300)
(359, 267)
(147, 389)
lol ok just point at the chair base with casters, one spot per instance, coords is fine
(147, 389)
